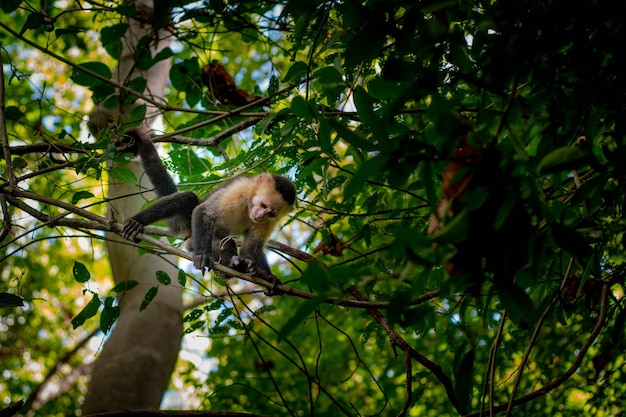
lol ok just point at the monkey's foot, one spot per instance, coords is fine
(131, 229)
(241, 264)
(248, 266)
(273, 279)
(202, 261)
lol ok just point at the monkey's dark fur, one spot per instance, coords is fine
(242, 205)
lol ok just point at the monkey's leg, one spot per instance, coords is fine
(225, 248)
(252, 249)
(170, 206)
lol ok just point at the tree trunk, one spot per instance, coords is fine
(134, 367)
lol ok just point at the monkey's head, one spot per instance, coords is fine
(274, 196)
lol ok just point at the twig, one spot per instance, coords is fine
(3, 130)
(214, 140)
(534, 336)
(55, 369)
(582, 352)
(397, 341)
(491, 367)
(268, 370)
(39, 172)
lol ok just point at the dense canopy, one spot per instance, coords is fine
(457, 246)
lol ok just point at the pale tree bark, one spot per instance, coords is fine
(134, 367)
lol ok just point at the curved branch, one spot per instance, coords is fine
(100, 223)
(397, 341)
(582, 352)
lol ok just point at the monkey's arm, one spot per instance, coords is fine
(175, 208)
(203, 223)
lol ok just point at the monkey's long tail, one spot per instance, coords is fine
(155, 170)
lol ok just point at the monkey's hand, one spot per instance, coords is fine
(131, 229)
(203, 261)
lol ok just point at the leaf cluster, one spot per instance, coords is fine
(459, 166)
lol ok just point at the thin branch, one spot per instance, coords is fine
(490, 375)
(175, 137)
(408, 394)
(397, 341)
(39, 172)
(3, 130)
(268, 370)
(301, 367)
(55, 369)
(534, 336)
(582, 352)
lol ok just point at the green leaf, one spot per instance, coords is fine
(365, 46)
(517, 303)
(80, 272)
(13, 113)
(571, 240)
(195, 326)
(163, 54)
(303, 311)
(123, 174)
(215, 305)
(365, 107)
(163, 278)
(373, 167)
(109, 314)
(138, 112)
(296, 72)
(111, 38)
(10, 5)
(563, 159)
(193, 315)
(90, 310)
(81, 195)
(453, 231)
(136, 84)
(124, 286)
(182, 73)
(33, 21)
(464, 376)
(147, 299)
(317, 277)
(351, 137)
(83, 78)
(504, 212)
(182, 277)
(302, 109)
(10, 300)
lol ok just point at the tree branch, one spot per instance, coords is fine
(582, 352)
(150, 243)
(397, 341)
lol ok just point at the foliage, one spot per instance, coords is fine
(460, 177)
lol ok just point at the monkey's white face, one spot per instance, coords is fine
(261, 209)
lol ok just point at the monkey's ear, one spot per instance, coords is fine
(263, 178)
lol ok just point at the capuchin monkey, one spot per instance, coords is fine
(242, 205)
